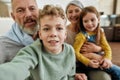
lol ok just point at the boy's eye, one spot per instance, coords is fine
(92, 20)
(59, 28)
(45, 29)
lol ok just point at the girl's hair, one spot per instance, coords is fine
(91, 9)
(52, 10)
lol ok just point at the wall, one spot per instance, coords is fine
(118, 7)
(63, 3)
(105, 6)
(5, 24)
(4, 12)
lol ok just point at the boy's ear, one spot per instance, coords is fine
(39, 34)
(66, 34)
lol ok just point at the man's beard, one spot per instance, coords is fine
(30, 31)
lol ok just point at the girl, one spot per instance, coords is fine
(91, 32)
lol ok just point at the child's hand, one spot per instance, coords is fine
(106, 63)
(93, 56)
(80, 76)
(94, 64)
(90, 47)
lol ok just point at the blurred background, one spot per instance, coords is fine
(109, 10)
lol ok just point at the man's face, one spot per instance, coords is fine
(25, 13)
(52, 33)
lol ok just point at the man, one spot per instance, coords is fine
(25, 15)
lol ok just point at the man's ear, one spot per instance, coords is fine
(12, 15)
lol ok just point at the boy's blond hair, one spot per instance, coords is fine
(52, 10)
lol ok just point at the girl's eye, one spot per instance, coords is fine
(85, 21)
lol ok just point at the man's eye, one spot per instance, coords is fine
(32, 8)
(20, 11)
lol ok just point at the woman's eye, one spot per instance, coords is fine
(69, 11)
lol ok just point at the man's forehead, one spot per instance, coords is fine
(23, 3)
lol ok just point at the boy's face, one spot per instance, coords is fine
(52, 33)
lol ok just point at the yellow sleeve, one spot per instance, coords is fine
(79, 41)
(105, 47)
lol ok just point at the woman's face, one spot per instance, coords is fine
(73, 13)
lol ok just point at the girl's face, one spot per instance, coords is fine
(73, 14)
(90, 21)
(52, 33)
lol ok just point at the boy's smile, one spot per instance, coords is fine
(53, 41)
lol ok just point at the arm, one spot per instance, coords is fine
(93, 56)
(105, 47)
(80, 76)
(79, 41)
(90, 47)
(18, 68)
(106, 62)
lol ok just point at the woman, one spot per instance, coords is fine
(73, 11)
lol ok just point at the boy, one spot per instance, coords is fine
(48, 58)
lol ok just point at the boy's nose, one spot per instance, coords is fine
(53, 33)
